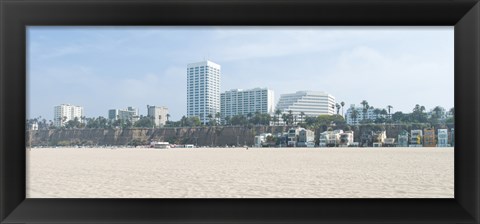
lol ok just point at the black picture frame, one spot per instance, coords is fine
(15, 15)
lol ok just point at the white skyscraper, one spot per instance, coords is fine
(203, 90)
(238, 101)
(66, 112)
(312, 103)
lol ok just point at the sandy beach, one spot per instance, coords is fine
(240, 173)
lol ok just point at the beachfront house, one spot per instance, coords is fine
(442, 138)
(300, 137)
(293, 137)
(429, 137)
(416, 138)
(282, 139)
(306, 138)
(403, 139)
(346, 139)
(378, 138)
(323, 139)
(389, 142)
(330, 138)
(366, 139)
(260, 140)
(334, 138)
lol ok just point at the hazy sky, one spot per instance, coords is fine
(102, 68)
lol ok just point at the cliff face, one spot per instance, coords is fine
(203, 136)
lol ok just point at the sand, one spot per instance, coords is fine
(241, 173)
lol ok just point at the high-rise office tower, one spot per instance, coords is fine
(203, 90)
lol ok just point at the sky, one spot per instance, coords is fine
(102, 68)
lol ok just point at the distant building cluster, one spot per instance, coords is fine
(204, 97)
(66, 112)
(205, 101)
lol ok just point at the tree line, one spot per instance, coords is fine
(288, 118)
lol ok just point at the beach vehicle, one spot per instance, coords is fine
(160, 145)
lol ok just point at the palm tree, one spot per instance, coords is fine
(438, 112)
(338, 107)
(342, 104)
(365, 109)
(227, 120)
(384, 112)
(210, 116)
(217, 116)
(168, 117)
(377, 112)
(422, 109)
(278, 112)
(285, 119)
(389, 107)
(249, 116)
(302, 114)
(201, 118)
(353, 114)
(290, 116)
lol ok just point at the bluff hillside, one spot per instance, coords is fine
(202, 136)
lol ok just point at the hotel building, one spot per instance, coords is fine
(238, 101)
(159, 115)
(66, 112)
(130, 114)
(312, 103)
(203, 90)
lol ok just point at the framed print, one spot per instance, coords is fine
(71, 162)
